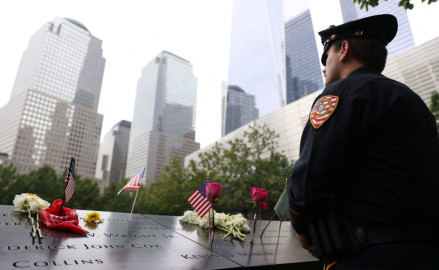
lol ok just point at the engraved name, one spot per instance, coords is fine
(49, 264)
(84, 246)
(140, 235)
(227, 255)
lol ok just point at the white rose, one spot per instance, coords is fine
(36, 204)
(19, 201)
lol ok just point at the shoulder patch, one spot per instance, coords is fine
(322, 110)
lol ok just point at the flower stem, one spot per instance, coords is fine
(254, 224)
(34, 230)
(268, 224)
(40, 235)
(210, 229)
(213, 225)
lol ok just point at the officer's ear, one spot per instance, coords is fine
(344, 51)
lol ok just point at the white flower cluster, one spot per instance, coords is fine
(235, 225)
(29, 202)
(32, 205)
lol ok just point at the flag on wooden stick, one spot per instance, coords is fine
(135, 182)
(281, 210)
(282, 207)
(198, 200)
(70, 182)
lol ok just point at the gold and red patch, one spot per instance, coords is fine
(322, 110)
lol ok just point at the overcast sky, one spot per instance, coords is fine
(135, 31)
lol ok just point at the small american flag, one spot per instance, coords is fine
(135, 182)
(198, 200)
(70, 183)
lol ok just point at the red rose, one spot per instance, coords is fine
(213, 191)
(259, 195)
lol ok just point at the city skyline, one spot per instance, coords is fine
(129, 42)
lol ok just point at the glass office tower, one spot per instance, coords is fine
(303, 71)
(273, 61)
(240, 108)
(164, 115)
(63, 60)
(113, 151)
(52, 113)
(403, 39)
(256, 63)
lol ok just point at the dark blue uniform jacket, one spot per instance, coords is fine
(376, 156)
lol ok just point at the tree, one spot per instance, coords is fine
(168, 195)
(49, 186)
(402, 3)
(250, 161)
(8, 176)
(110, 201)
(86, 194)
(434, 106)
(44, 182)
(238, 165)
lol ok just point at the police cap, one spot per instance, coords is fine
(380, 27)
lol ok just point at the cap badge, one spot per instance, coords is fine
(322, 110)
(333, 36)
(359, 32)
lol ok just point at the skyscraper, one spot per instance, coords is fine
(403, 39)
(240, 108)
(257, 61)
(65, 61)
(113, 151)
(273, 61)
(164, 115)
(52, 112)
(303, 72)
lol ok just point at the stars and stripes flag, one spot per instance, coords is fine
(135, 182)
(70, 182)
(198, 200)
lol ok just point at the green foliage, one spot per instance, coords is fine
(238, 165)
(110, 201)
(49, 186)
(402, 3)
(434, 106)
(169, 194)
(44, 182)
(87, 195)
(8, 176)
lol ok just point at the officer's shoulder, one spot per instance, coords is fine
(348, 86)
(368, 83)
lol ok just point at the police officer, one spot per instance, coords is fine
(364, 191)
